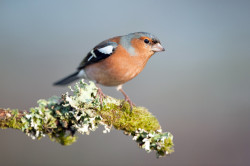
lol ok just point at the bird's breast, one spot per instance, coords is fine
(116, 69)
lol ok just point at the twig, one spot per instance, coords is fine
(61, 117)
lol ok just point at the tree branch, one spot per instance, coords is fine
(61, 117)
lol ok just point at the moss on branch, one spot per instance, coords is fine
(61, 117)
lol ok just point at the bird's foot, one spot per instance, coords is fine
(127, 99)
(101, 95)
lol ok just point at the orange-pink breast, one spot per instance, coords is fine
(117, 69)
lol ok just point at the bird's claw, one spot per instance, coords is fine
(127, 99)
(101, 95)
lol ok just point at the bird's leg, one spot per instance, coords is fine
(100, 94)
(126, 97)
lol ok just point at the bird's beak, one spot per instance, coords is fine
(157, 47)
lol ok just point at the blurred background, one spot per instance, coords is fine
(199, 88)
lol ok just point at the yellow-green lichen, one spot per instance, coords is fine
(122, 118)
(12, 119)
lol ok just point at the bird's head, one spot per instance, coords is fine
(142, 42)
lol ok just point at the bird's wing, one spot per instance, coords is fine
(99, 53)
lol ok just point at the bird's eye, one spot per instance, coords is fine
(146, 41)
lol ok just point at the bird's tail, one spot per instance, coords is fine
(68, 79)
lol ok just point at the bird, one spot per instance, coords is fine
(116, 61)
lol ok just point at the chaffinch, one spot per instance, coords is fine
(117, 60)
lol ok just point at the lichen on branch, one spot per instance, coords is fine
(61, 117)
